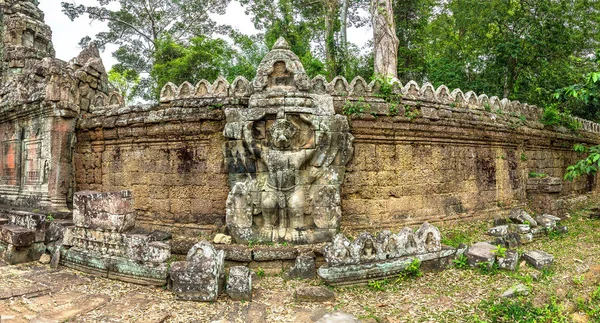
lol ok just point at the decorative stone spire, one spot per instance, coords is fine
(281, 43)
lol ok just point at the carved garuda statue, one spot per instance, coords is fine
(286, 155)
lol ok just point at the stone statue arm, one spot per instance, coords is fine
(250, 142)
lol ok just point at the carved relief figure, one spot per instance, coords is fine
(285, 155)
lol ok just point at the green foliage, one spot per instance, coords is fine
(461, 262)
(456, 237)
(137, 27)
(522, 311)
(125, 81)
(412, 112)
(352, 108)
(500, 251)
(378, 285)
(485, 268)
(585, 166)
(260, 272)
(49, 217)
(413, 270)
(537, 175)
(203, 58)
(552, 116)
(523, 157)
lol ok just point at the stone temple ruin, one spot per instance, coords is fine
(281, 164)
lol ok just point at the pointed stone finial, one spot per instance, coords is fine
(281, 44)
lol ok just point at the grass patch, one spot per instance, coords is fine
(519, 310)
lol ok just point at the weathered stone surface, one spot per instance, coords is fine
(481, 252)
(538, 259)
(516, 290)
(338, 317)
(55, 261)
(106, 211)
(520, 216)
(201, 276)
(266, 253)
(55, 230)
(235, 252)
(16, 255)
(239, 283)
(304, 267)
(509, 261)
(313, 294)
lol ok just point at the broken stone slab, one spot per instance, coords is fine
(338, 317)
(481, 252)
(516, 290)
(352, 274)
(158, 235)
(201, 277)
(520, 216)
(304, 267)
(105, 211)
(239, 283)
(551, 217)
(538, 259)
(562, 229)
(313, 294)
(55, 261)
(509, 261)
(498, 231)
(526, 238)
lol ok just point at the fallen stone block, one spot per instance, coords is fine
(266, 253)
(201, 277)
(55, 229)
(526, 238)
(545, 222)
(538, 259)
(520, 216)
(498, 231)
(239, 284)
(516, 290)
(236, 252)
(304, 267)
(313, 294)
(509, 261)
(17, 235)
(45, 259)
(481, 252)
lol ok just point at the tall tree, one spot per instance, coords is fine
(138, 26)
(385, 51)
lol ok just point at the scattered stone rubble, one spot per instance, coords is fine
(523, 228)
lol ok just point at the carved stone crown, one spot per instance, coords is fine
(281, 69)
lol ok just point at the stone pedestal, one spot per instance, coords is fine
(101, 241)
(21, 236)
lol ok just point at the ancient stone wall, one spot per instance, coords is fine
(439, 155)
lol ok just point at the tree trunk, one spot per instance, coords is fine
(344, 25)
(330, 16)
(385, 40)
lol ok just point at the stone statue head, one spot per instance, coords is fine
(282, 132)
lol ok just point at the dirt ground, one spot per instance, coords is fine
(35, 293)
